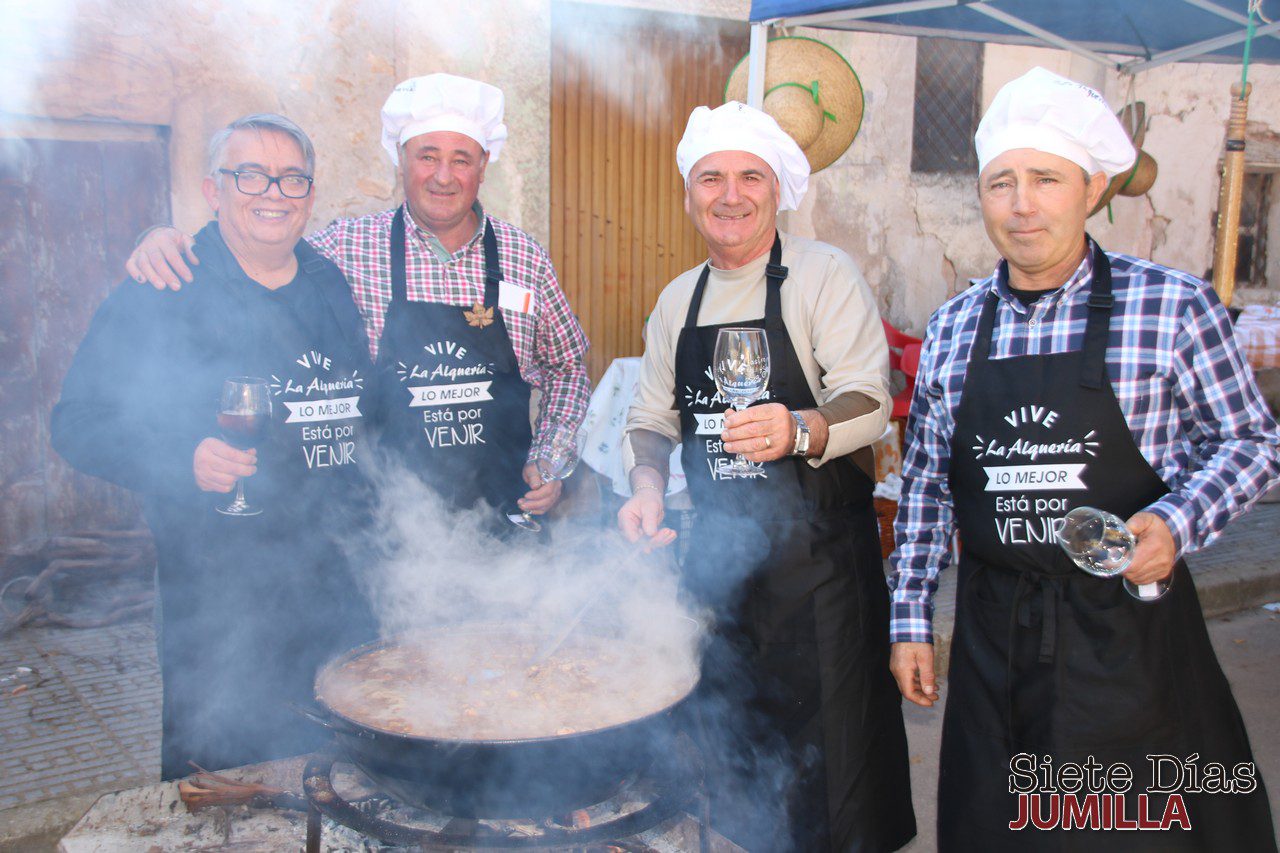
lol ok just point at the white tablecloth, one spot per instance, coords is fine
(1258, 333)
(606, 417)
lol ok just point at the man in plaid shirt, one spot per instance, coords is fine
(443, 131)
(1073, 377)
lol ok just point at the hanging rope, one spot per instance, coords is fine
(1255, 10)
(1130, 100)
(1131, 127)
(1132, 172)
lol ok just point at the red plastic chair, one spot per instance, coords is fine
(904, 355)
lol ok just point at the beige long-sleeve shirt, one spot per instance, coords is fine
(830, 317)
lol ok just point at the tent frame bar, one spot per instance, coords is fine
(817, 19)
(1215, 9)
(1042, 34)
(757, 57)
(1196, 49)
(1130, 67)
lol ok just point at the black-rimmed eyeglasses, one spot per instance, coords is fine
(251, 182)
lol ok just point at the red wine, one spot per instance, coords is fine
(242, 430)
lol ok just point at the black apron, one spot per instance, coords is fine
(251, 607)
(800, 718)
(1048, 660)
(452, 405)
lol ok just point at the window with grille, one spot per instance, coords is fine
(1255, 213)
(948, 105)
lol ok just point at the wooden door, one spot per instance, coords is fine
(71, 211)
(623, 84)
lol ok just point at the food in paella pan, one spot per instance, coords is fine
(478, 685)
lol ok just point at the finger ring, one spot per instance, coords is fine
(767, 443)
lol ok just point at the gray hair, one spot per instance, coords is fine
(260, 121)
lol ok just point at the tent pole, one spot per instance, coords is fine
(755, 67)
(1040, 33)
(1191, 51)
(1227, 15)
(817, 19)
(1226, 241)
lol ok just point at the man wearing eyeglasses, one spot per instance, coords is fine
(463, 311)
(249, 605)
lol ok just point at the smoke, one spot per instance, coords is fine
(35, 37)
(433, 573)
(436, 565)
(629, 57)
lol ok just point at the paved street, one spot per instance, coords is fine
(89, 717)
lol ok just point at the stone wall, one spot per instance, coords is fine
(329, 65)
(919, 238)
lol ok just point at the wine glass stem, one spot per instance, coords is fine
(742, 462)
(240, 492)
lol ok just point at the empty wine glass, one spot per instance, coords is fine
(1100, 543)
(561, 449)
(244, 413)
(740, 367)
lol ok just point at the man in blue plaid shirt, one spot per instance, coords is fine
(1074, 377)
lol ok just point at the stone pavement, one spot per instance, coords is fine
(85, 719)
(89, 719)
(79, 715)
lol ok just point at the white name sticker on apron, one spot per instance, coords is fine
(449, 395)
(308, 411)
(513, 297)
(710, 424)
(1034, 478)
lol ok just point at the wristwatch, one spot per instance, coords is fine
(802, 436)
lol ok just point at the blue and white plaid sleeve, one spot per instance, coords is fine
(1235, 441)
(922, 530)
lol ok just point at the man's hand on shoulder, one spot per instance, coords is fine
(161, 258)
(912, 667)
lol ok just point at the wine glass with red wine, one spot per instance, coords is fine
(244, 414)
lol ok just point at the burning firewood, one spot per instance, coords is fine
(206, 789)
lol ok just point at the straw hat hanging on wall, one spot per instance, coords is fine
(811, 91)
(1142, 176)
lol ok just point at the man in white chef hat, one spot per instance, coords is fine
(463, 311)
(1075, 377)
(805, 744)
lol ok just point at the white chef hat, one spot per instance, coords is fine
(738, 127)
(1049, 113)
(443, 102)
